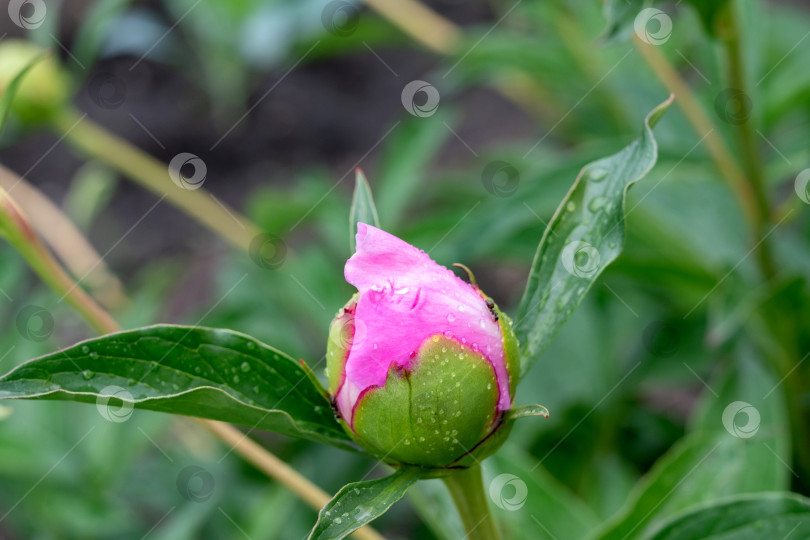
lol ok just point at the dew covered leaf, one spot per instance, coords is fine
(208, 373)
(585, 234)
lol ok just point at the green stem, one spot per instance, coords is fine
(467, 489)
(95, 141)
(16, 229)
(782, 326)
(751, 157)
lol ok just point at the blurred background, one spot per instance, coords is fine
(277, 102)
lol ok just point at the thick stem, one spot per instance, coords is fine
(466, 486)
(96, 142)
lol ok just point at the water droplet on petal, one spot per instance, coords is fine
(451, 317)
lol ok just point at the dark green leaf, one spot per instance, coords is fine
(621, 16)
(550, 511)
(702, 467)
(751, 517)
(584, 236)
(363, 209)
(208, 373)
(750, 386)
(11, 89)
(360, 502)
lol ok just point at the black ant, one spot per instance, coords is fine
(491, 306)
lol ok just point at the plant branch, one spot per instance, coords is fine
(14, 226)
(749, 151)
(16, 229)
(703, 126)
(467, 489)
(443, 36)
(421, 23)
(97, 142)
(65, 240)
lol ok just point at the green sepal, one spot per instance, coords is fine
(432, 413)
(495, 440)
(341, 335)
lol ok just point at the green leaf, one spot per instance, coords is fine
(11, 90)
(550, 511)
(360, 502)
(750, 517)
(204, 372)
(621, 16)
(585, 234)
(363, 209)
(762, 464)
(702, 467)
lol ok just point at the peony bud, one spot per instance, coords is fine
(422, 365)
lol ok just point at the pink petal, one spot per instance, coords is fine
(405, 298)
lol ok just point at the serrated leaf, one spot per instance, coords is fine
(11, 89)
(363, 209)
(203, 372)
(585, 234)
(750, 517)
(360, 502)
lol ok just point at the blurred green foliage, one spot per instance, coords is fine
(636, 381)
